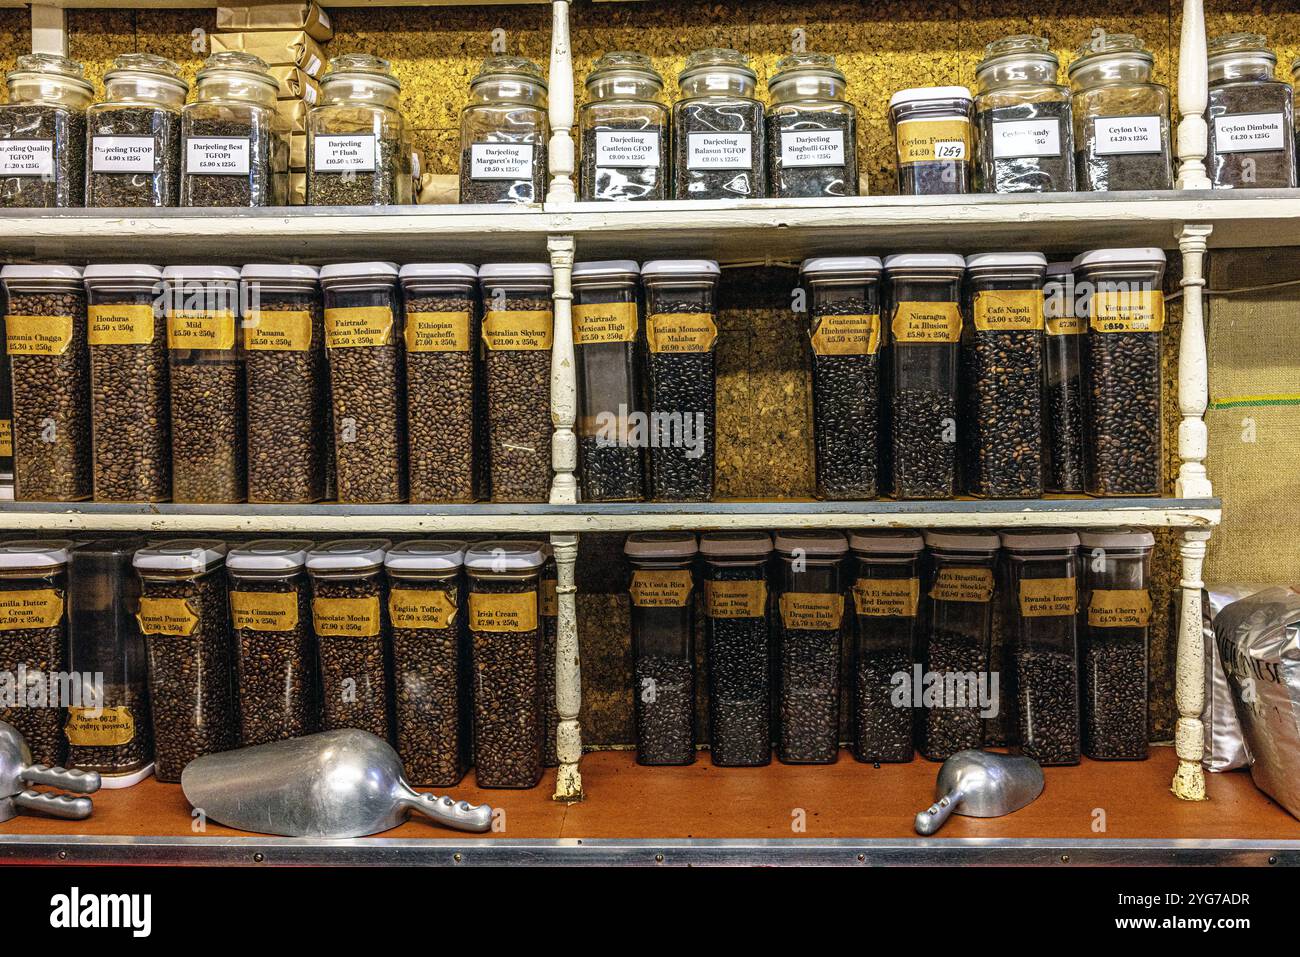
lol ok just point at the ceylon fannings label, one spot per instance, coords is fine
(886, 597)
(166, 616)
(201, 329)
(35, 608)
(38, 335)
(853, 335)
(661, 588)
(1120, 608)
(930, 141)
(550, 598)
(100, 727)
(122, 324)
(346, 617)
(421, 608)
(811, 611)
(1048, 597)
(963, 584)
(1128, 310)
(675, 333)
(278, 330)
(736, 599)
(1066, 325)
(519, 330)
(606, 322)
(264, 610)
(1008, 310)
(6, 437)
(356, 327)
(510, 612)
(926, 322)
(437, 331)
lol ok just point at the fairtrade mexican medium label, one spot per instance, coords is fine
(550, 598)
(521, 330)
(1117, 135)
(886, 597)
(420, 608)
(264, 610)
(127, 324)
(963, 584)
(286, 330)
(216, 156)
(121, 154)
(509, 612)
(1120, 608)
(926, 322)
(626, 150)
(354, 153)
(736, 599)
(674, 333)
(1249, 132)
(166, 616)
(1048, 597)
(811, 611)
(38, 608)
(719, 150)
(437, 332)
(201, 329)
(930, 141)
(1008, 310)
(100, 727)
(501, 161)
(27, 158)
(1066, 325)
(607, 322)
(346, 617)
(1021, 139)
(661, 589)
(847, 336)
(1137, 310)
(6, 437)
(356, 327)
(812, 148)
(38, 335)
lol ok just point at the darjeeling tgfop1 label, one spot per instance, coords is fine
(217, 156)
(122, 154)
(121, 324)
(26, 158)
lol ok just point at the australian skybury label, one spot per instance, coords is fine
(346, 617)
(963, 584)
(1048, 597)
(886, 597)
(420, 608)
(675, 333)
(604, 322)
(1128, 310)
(100, 727)
(437, 332)
(37, 608)
(508, 612)
(852, 335)
(38, 335)
(1008, 310)
(926, 322)
(287, 330)
(264, 610)
(811, 611)
(661, 588)
(356, 327)
(201, 329)
(518, 330)
(930, 141)
(122, 324)
(736, 599)
(1120, 608)
(166, 616)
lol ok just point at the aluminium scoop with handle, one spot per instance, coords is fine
(981, 784)
(17, 771)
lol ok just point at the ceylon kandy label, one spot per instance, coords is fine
(848, 335)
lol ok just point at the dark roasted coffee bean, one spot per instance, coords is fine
(519, 413)
(1124, 413)
(739, 696)
(682, 390)
(208, 443)
(809, 696)
(924, 452)
(442, 410)
(664, 690)
(1115, 696)
(353, 670)
(507, 719)
(1065, 412)
(276, 670)
(36, 657)
(610, 473)
(1048, 694)
(161, 187)
(119, 758)
(949, 728)
(66, 131)
(846, 408)
(1004, 437)
(882, 731)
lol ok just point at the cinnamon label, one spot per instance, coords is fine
(264, 610)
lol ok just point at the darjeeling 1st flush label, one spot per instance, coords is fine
(1249, 133)
(1115, 135)
(354, 153)
(27, 158)
(121, 154)
(216, 156)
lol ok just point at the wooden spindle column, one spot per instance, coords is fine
(562, 109)
(1193, 94)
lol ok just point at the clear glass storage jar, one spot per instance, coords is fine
(812, 130)
(1065, 326)
(49, 362)
(43, 133)
(504, 131)
(1250, 116)
(606, 330)
(624, 131)
(924, 331)
(185, 619)
(933, 140)
(718, 132)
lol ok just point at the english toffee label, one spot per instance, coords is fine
(201, 329)
(128, 324)
(100, 727)
(963, 584)
(354, 153)
(886, 597)
(38, 335)
(855, 335)
(37, 608)
(1120, 608)
(420, 608)
(501, 161)
(1119, 135)
(926, 322)
(121, 154)
(811, 611)
(626, 150)
(27, 158)
(608, 322)
(1249, 132)
(264, 610)
(719, 150)
(166, 616)
(358, 327)
(812, 148)
(437, 332)
(277, 331)
(931, 141)
(661, 589)
(736, 599)
(1026, 139)
(509, 612)
(519, 330)
(674, 333)
(1137, 310)
(216, 156)
(1008, 310)
(346, 617)
(1048, 597)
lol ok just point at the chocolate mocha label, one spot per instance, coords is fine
(346, 617)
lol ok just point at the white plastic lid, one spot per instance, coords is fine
(504, 272)
(425, 556)
(119, 271)
(841, 264)
(52, 271)
(372, 270)
(605, 269)
(736, 544)
(278, 271)
(815, 543)
(200, 273)
(181, 555)
(887, 541)
(269, 555)
(680, 267)
(1118, 537)
(438, 271)
(35, 553)
(664, 545)
(926, 94)
(963, 541)
(924, 261)
(1057, 270)
(505, 556)
(1022, 540)
(348, 554)
(1006, 261)
(1135, 256)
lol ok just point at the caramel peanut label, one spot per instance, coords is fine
(38, 335)
(675, 333)
(358, 327)
(510, 612)
(166, 616)
(933, 141)
(609, 322)
(522, 330)
(1135, 310)
(201, 329)
(1120, 608)
(668, 588)
(854, 335)
(264, 610)
(1008, 310)
(1048, 597)
(1066, 325)
(100, 727)
(926, 322)
(346, 617)
(736, 599)
(437, 331)
(811, 611)
(287, 330)
(420, 608)
(124, 324)
(886, 597)
(37, 608)
(550, 599)
(963, 584)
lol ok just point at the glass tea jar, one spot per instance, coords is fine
(130, 403)
(624, 131)
(1022, 119)
(1121, 117)
(506, 639)
(606, 329)
(34, 643)
(431, 660)
(441, 330)
(356, 136)
(286, 382)
(845, 338)
(1250, 116)
(1040, 597)
(504, 131)
(518, 328)
(236, 142)
(133, 136)
(737, 633)
(810, 607)
(959, 620)
(924, 331)
(1002, 349)
(207, 384)
(349, 614)
(275, 653)
(933, 140)
(886, 592)
(718, 139)
(49, 362)
(366, 380)
(1124, 440)
(1063, 405)
(812, 130)
(681, 331)
(185, 619)
(1116, 616)
(43, 133)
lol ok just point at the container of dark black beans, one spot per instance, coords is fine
(718, 129)
(43, 133)
(1065, 328)
(1250, 116)
(933, 140)
(812, 130)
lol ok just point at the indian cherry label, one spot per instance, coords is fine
(121, 154)
(1119, 135)
(166, 616)
(27, 158)
(1136, 310)
(437, 332)
(674, 333)
(812, 148)
(932, 141)
(1008, 310)
(849, 335)
(886, 597)
(1249, 132)
(38, 335)
(37, 608)
(421, 608)
(670, 588)
(606, 322)
(346, 617)
(1048, 597)
(501, 161)
(503, 612)
(811, 611)
(736, 599)
(926, 322)
(719, 150)
(358, 327)
(518, 330)
(125, 324)
(1026, 139)
(264, 610)
(354, 153)
(100, 727)
(963, 584)
(626, 150)
(1119, 608)
(216, 156)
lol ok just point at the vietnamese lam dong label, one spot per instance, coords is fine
(1022, 139)
(216, 156)
(501, 161)
(354, 153)
(626, 150)
(812, 148)
(1249, 132)
(121, 154)
(1115, 135)
(27, 158)
(719, 150)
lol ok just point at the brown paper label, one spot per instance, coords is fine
(38, 335)
(1048, 597)
(1066, 326)
(811, 611)
(1136, 310)
(886, 597)
(736, 599)
(675, 333)
(264, 610)
(437, 331)
(511, 612)
(1120, 608)
(6, 437)
(847, 336)
(661, 589)
(346, 617)
(109, 728)
(358, 327)
(1008, 310)
(38, 608)
(550, 599)
(124, 324)
(610, 322)
(524, 330)
(201, 329)
(926, 322)
(420, 608)
(166, 616)
(963, 584)
(267, 330)
(930, 141)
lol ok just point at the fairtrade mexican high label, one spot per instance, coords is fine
(677, 333)
(599, 323)
(926, 322)
(1119, 608)
(287, 330)
(886, 597)
(1008, 310)
(503, 612)
(201, 329)
(736, 599)
(358, 327)
(848, 335)
(346, 617)
(38, 335)
(421, 608)
(1135, 310)
(667, 588)
(120, 324)
(811, 611)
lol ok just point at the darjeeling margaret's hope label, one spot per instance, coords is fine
(501, 161)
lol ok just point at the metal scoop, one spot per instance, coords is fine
(345, 783)
(981, 784)
(17, 770)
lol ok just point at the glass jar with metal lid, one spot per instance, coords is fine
(503, 134)
(812, 130)
(236, 143)
(933, 140)
(43, 133)
(624, 131)
(1250, 116)
(718, 131)
(1022, 119)
(1063, 390)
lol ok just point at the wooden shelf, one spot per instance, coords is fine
(202, 4)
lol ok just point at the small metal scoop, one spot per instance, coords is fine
(981, 784)
(345, 783)
(17, 770)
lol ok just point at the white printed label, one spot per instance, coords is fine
(345, 154)
(719, 150)
(626, 150)
(1115, 135)
(313, 66)
(216, 156)
(1017, 139)
(812, 148)
(27, 158)
(1249, 132)
(121, 154)
(501, 161)
(309, 94)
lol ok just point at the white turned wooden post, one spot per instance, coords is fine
(49, 29)
(568, 672)
(564, 383)
(1193, 93)
(1189, 676)
(561, 100)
